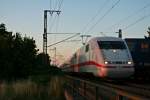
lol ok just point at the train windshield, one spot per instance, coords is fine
(111, 45)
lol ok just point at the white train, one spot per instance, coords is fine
(107, 57)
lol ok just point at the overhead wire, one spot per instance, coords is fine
(50, 2)
(64, 40)
(101, 18)
(59, 7)
(55, 20)
(94, 17)
(56, 4)
(129, 16)
(57, 24)
(135, 22)
(60, 4)
(51, 17)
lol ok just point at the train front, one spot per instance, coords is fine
(117, 59)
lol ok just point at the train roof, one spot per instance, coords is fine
(137, 39)
(105, 39)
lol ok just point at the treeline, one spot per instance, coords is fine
(18, 56)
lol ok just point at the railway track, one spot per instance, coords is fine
(139, 90)
(141, 86)
(126, 87)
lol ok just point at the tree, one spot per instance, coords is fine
(2, 27)
(17, 54)
(42, 60)
(5, 51)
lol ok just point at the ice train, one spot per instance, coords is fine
(105, 57)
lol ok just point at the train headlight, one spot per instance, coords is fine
(106, 62)
(129, 62)
(114, 50)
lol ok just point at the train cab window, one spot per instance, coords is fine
(87, 48)
(111, 45)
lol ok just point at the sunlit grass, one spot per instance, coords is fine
(31, 90)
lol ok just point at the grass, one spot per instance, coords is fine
(34, 88)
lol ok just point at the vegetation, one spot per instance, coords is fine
(19, 57)
(52, 89)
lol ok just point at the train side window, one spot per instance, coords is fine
(144, 47)
(87, 48)
(75, 56)
(131, 46)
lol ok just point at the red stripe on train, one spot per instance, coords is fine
(84, 64)
(92, 63)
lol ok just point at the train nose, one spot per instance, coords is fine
(118, 72)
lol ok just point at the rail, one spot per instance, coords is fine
(98, 91)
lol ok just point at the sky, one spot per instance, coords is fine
(88, 17)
